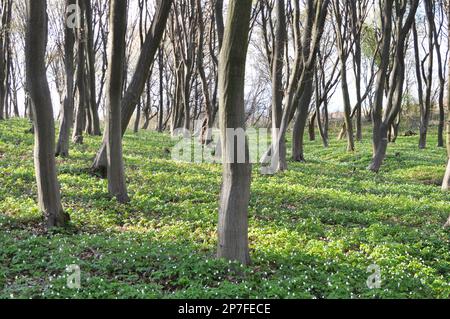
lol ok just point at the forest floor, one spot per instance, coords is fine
(314, 230)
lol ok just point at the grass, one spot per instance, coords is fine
(314, 230)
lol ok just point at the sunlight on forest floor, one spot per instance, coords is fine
(314, 230)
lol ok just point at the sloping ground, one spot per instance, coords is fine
(314, 230)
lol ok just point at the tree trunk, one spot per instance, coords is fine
(377, 115)
(437, 45)
(92, 97)
(205, 136)
(233, 212)
(317, 107)
(137, 121)
(137, 84)
(425, 113)
(62, 148)
(80, 118)
(116, 56)
(277, 69)
(301, 119)
(396, 81)
(161, 91)
(49, 195)
(347, 107)
(3, 64)
(312, 127)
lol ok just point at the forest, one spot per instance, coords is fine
(224, 149)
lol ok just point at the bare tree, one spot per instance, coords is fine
(113, 131)
(300, 91)
(235, 194)
(342, 15)
(442, 65)
(80, 116)
(277, 68)
(142, 70)
(382, 123)
(427, 75)
(93, 127)
(62, 148)
(49, 195)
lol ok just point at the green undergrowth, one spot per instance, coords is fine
(314, 230)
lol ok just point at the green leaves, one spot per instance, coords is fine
(314, 229)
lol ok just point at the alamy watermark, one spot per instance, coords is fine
(73, 14)
(74, 277)
(243, 146)
(374, 280)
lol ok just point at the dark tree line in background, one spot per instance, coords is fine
(170, 65)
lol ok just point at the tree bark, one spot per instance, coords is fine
(62, 148)
(235, 194)
(397, 77)
(80, 117)
(92, 97)
(49, 196)
(116, 56)
(277, 70)
(312, 127)
(425, 109)
(137, 84)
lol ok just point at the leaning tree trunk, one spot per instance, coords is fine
(140, 76)
(49, 195)
(62, 148)
(116, 56)
(235, 194)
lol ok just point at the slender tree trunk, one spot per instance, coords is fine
(396, 81)
(116, 56)
(312, 127)
(277, 70)
(137, 121)
(219, 22)
(318, 113)
(437, 45)
(301, 119)
(62, 148)
(425, 113)
(347, 107)
(93, 107)
(140, 76)
(161, 91)
(379, 147)
(235, 194)
(205, 136)
(3, 71)
(80, 118)
(49, 196)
